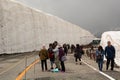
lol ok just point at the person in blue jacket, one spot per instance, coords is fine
(110, 55)
(100, 56)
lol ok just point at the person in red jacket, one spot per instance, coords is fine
(51, 55)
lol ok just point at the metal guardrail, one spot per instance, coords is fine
(28, 67)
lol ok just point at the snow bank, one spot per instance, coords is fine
(114, 37)
(24, 29)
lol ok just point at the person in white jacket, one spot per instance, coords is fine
(56, 53)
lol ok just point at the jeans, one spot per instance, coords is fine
(44, 63)
(100, 64)
(52, 62)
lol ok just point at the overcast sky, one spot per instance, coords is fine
(96, 16)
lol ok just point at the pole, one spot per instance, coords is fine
(25, 67)
(34, 65)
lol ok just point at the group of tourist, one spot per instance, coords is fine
(57, 55)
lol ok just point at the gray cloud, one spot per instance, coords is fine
(96, 16)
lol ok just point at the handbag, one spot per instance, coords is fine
(63, 58)
(99, 56)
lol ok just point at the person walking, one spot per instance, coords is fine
(61, 55)
(72, 48)
(100, 56)
(92, 53)
(65, 49)
(51, 55)
(78, 53)
(110, 55)
(43, 54)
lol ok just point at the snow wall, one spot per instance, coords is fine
(114, 37)
(24, 29)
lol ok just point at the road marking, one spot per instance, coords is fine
(24, 71)
(109, 77)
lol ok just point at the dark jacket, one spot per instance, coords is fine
(110, 52)
(78, 53)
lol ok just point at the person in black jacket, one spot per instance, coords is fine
(78, 53)
(72, 48)
(110, 55)
(65, 49)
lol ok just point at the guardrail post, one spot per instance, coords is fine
(25, 68)
(34, 66)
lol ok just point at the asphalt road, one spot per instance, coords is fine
(12, 66)
(87, 71)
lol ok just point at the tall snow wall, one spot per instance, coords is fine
(114, 37)
(24, 29)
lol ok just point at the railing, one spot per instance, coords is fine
(29, 63)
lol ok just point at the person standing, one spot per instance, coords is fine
(100, 56)
(110, 55)
(92, 53)
(43, 54)
(51, 55)
(65, 49)
(61, 55)
(56, 54)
